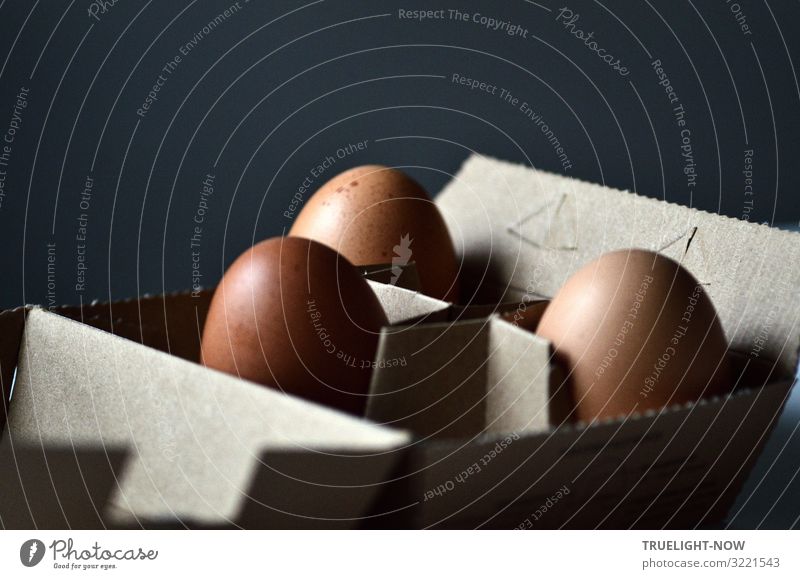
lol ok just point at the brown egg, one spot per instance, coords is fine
(377, 215)
(635, 331)
(294, 315)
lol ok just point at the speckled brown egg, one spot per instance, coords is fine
(295, 315)
(377, 215)
(636, 331)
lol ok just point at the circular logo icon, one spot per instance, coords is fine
(31, 552)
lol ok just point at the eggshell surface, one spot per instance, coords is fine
(635, 331)
(294, 315)
(377, 215)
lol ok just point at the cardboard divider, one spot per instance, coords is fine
(441, 390)
(172, 323)
(195, 434)
(523, 393)
(462, 379)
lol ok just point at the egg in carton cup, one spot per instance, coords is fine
(470, 431)
(180, 445)
(498, 446)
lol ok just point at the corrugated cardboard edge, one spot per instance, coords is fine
(402, 305)
(494, 496)
(482, 231)
(153, 320)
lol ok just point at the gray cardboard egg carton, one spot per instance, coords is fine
(464, 423)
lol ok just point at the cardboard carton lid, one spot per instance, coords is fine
(526, 231)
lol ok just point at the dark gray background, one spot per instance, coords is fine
(279, 86)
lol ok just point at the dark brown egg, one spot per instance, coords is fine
(636, 331)
(293, 314)
(377, 215)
